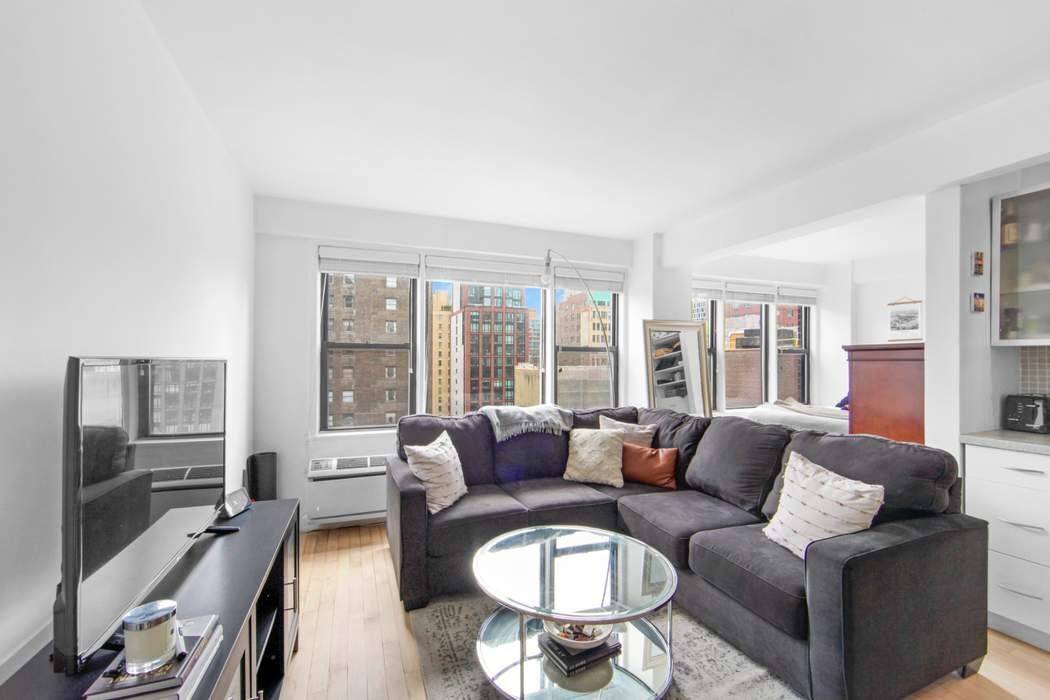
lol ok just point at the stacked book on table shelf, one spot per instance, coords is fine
(176, 680)
(571, 661)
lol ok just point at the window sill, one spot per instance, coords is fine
(354, 432)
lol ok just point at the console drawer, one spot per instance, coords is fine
(1019, 590)
(1018, 520)
(1031, 471)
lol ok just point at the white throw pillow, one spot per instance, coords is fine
(595, 457)
(817, 503)
(437, 465)
(632, 432)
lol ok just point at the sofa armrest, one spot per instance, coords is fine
(406, 531)
(895, 607)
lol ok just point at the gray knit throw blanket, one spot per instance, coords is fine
(511, 421)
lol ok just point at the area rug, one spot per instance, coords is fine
(705, 665)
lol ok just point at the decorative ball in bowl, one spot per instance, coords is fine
(576, 636)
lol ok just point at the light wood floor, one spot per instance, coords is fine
(356, 643)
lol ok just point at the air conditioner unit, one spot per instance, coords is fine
(344, 490)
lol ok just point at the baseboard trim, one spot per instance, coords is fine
(18, 658)
(1019, 630)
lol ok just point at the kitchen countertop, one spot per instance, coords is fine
(1009, 440)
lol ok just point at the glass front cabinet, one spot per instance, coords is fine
(1021, 268)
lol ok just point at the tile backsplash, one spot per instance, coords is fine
(1035, 369)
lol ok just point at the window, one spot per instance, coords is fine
(581, 326)
(475, 354)
(391, 304)
(753, 368)
(357, 358)
(743, 347)
(792, 352)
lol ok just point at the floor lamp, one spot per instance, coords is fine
(548, 280)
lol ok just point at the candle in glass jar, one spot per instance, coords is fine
(150, 632)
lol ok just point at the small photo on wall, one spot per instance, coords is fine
(905, 320)
(978, 263)
(977, 302)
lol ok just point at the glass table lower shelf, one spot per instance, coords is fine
(642, 669)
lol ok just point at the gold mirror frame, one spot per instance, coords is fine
(700, 365)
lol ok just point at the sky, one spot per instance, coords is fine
(533, 295)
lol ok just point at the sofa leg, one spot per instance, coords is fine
(971, 668)
(416, 603)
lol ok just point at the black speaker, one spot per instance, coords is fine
(261, 476)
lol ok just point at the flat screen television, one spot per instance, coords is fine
(144, 463)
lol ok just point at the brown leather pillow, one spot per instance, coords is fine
(650, 465)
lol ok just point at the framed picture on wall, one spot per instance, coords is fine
(905, 320)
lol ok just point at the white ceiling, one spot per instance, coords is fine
(598, 116)
(893, 227)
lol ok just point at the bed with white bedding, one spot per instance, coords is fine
(796, 415)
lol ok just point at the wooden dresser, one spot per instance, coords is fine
(886, 390)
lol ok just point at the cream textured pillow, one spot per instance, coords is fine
(817, 503)
(633, 433)
(437, 465)
(595, 457)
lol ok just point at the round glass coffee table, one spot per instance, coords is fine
(582, 575)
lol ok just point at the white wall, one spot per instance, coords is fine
(126, 230)
(287, 311)
(991, 138)
(881, 281)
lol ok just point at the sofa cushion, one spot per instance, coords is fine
(667, 520)
(530, 456)
(486, 511)
(555, 501)
(737, 461)
(437, 465)
(471, 434)
(916, 479)
(650, 465)
(633, 433)
(595, 457)
(759, 574)
(629, 488)
(590, 417)
(679, 430)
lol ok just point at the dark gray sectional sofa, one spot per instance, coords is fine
(876, 614)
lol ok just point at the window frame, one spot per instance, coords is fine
(613, 333)
(325, 345)
(805, 327)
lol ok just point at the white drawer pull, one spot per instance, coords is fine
(1026, 470)
(1033, 596)
(1025, 526)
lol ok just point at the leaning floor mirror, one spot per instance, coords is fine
(678, 366)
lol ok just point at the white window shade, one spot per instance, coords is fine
(596, 278)
(498, 271)
(755, 293)
(368, 261)
(804, 296)
(709, 288)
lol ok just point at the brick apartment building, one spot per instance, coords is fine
(368, 355)
(490, 337)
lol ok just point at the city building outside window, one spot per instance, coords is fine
(492, 338)
(748, 358)
(581, 358)
(361, 348)
(391, 304)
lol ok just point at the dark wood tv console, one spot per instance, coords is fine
(250, 579)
